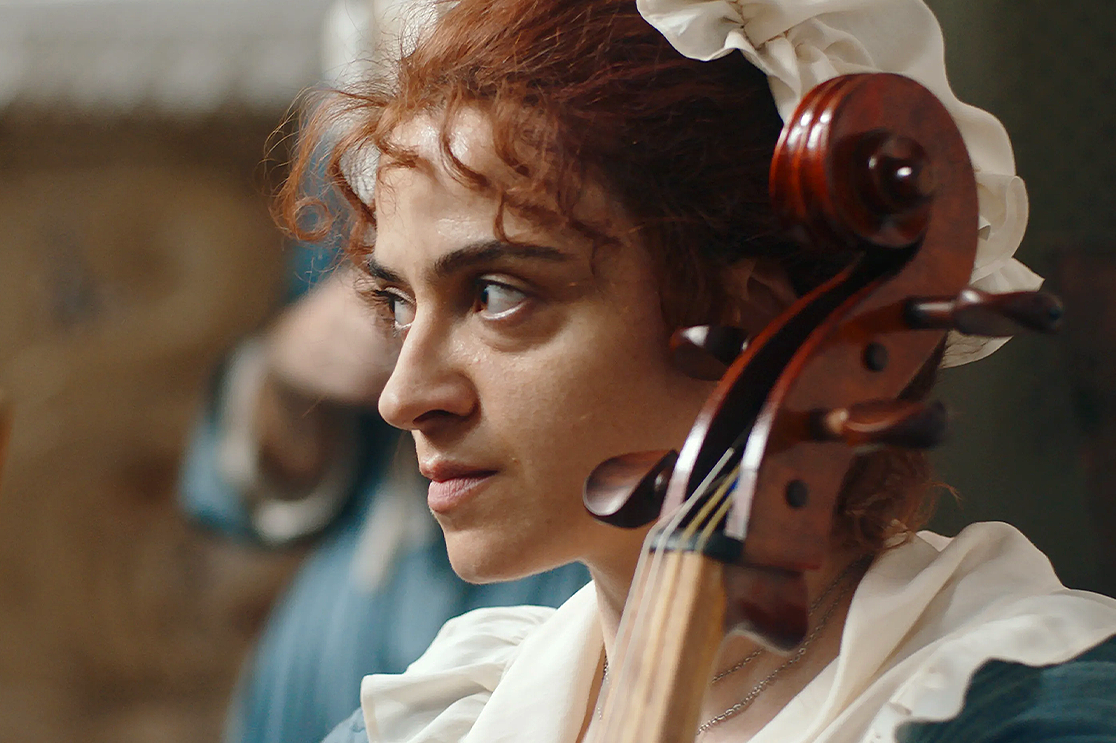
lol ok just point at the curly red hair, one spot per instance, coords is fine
(584, 92)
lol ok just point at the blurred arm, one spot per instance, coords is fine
(275, 455)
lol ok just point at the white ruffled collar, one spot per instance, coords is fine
(924, 618)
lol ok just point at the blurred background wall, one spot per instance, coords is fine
(1034, 439)
(135, 246)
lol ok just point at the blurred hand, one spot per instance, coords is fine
(326, 356)
(329, 346)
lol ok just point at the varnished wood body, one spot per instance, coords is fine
(813, 357)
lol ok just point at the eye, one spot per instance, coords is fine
(397, 308)
(496, 299)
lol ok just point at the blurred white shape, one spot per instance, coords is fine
(178, 56)
(13, 60)
(345, 39)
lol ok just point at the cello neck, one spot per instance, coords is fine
(656, 690)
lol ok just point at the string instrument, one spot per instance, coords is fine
(871, 165)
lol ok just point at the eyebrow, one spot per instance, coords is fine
(468, 256)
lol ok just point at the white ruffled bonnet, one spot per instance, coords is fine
(800, 43)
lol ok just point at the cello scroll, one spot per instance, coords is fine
(871, 168)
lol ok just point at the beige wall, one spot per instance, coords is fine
(132, 252)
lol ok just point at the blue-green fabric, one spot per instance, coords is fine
(351, 730)
(1072, 702)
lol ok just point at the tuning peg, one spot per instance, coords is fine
(899, 176)
(975, 312)
(628, 491)
(902, 423)
(706, 351)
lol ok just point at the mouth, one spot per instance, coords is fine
(451, 485)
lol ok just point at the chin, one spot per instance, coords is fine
(479, 557)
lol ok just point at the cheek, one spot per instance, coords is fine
(564, 411)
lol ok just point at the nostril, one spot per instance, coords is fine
(434, 417)
(428, 387)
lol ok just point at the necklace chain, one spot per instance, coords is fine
(809, 613)
(792, 661)
(772, 677)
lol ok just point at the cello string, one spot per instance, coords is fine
(649, 572)
(708, 516)
(722, 511)
(655, 542)
(629, 634)
(667, 584)
(711, 503)
(647, 581)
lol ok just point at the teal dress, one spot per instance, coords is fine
(1071, 702)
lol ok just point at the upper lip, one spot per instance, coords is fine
(441, 470)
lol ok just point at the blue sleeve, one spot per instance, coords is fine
(204, 495)
(351, 730)
(207, 498)
(1071, 702)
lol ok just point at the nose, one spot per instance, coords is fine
(427, 388)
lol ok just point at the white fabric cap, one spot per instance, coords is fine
(366, 41)
(801, 43)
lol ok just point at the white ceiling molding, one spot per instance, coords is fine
(175, 56)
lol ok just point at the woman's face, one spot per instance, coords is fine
(521, 368)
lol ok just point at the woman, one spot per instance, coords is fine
(561, 185)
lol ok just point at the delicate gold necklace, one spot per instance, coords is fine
(772, 677)
(799, 654)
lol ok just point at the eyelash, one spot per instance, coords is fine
(480, 286)
(386, 301)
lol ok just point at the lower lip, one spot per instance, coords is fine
(448, 494)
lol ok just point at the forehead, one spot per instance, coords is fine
(470, 141)
(424, 196)
(421, 209)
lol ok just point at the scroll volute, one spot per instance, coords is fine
(871, 165)
(913, 191)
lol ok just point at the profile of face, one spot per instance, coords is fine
(522, 366)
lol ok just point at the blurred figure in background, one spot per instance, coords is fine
(290, 449)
